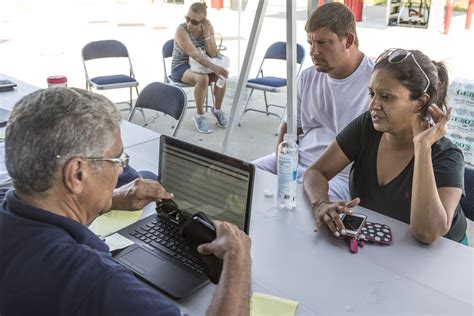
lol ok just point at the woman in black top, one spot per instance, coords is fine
(404, 167)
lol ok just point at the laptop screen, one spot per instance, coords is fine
(207, 181)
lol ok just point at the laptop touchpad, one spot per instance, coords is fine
(142, 259)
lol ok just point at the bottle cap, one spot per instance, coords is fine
(268, 192)
(288, 136)
(57, 81)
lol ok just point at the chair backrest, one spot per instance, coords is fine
(278, 51)
(112, 49)
(164, 98)
(167, 52)
(167, 49)
(467, 203)
(104, 49)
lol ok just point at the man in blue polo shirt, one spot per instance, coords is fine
(64, 153)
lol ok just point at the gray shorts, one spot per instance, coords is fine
(178, 72)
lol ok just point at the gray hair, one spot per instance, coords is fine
(61, 121)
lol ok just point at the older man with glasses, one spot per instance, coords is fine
(195, 38)
(64, 153)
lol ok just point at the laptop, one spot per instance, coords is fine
(201, 180)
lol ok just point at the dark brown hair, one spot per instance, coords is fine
(410, 76)
(336, 17)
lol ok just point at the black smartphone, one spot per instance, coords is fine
(198, 230)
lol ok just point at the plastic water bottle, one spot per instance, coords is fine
(220, 82)
(287, 172)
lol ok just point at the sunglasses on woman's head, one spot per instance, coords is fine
(193, 21)
(397, 55)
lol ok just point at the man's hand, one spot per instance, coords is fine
(232, 296)
(230, 242)
(329, 213)
(138, 193)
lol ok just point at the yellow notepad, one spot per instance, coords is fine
(266, 305)
(113, 221)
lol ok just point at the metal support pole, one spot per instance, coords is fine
(291, 66)
(244, 74)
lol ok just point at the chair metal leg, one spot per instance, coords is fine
(266, 101)
(173, 122)
(141, 109)
(245, 108)
(130, 116)
(212, 95)
(143, 114)
(206, 100)
(206, 104)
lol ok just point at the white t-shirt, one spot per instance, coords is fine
(326, 105)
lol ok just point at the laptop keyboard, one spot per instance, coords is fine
(165, 236)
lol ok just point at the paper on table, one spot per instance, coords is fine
(116, 241)
(266, 305)
(113, 221)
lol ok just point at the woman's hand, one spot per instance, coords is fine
(432, 134)
(220, 71)
(206, 28)
(329, 213)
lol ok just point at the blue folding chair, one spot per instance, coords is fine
(276, 51)
(109, 49)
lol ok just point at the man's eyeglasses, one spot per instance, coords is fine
(122, 160)
(193, 21)
(397, 55)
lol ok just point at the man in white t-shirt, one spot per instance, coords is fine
(330, 94)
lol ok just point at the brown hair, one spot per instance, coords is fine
(410, 76)
(199, 8)
(336, 17)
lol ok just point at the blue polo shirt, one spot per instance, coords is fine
(53, 265)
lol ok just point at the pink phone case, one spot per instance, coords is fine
(374, 233)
